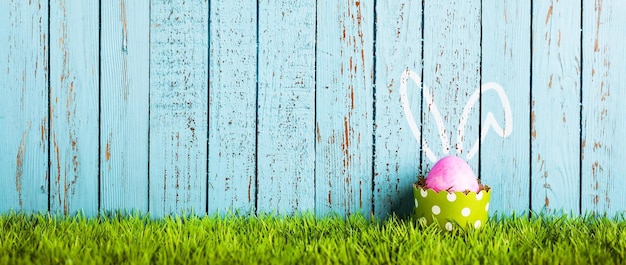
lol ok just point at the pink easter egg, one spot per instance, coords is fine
(452, 174)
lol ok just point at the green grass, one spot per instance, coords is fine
(45, 239)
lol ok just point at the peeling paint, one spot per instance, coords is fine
(598, 9)
(350, 43)
(346, 134)
(19, 162)
(533, 132)
(108, 152)
(549, 15)
(250, 189)
(596, 145)
(57, 154)
(124, 31)
(330, 201)
(317, 132)
(361, 194)
(550, 82)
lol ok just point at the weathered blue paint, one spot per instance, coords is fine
(74, 70)
(124, 104)
(23, 106)
(286, 106)
(451, 74)
(506, 61)
(604, 115)
(232, 106)
(344, 110)
(178, 106)
(397, 161)
(555, 106)
(291, 106)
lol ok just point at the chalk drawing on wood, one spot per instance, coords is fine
(451, 67)
(490, 120)
(506, 59)
(395, 161)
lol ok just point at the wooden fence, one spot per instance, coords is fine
(325, 106)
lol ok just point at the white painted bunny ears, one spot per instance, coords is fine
(490, 120)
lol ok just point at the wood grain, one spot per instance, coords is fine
(23, 106)
(232, 121)
(555, 106)
(286, 106)
(344, 107)
(397, 161)
(452, 73)
(604, 122)
(504, 161)
(74, 70)
(307, 106)
(125, 65)
(178, 107)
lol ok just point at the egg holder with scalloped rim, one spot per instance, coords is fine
(451, 210)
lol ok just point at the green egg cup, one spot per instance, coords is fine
(452, 210)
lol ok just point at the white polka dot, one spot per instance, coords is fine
(477, 224)
(487, 207)
(423, 193)
(451, 197)
(436, 210)
(416, 203)
(465, 212)
(449, 226)
(479, 196)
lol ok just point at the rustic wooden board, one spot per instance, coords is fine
(24, 106)
(451, 74)
(555, 105)
(398, 50)
(505, 150)
(125, 64)
(74, 70)
(178, 106)
(286, 106)
(604, 122)
(314, 106)
(344, 107)
(232, 120)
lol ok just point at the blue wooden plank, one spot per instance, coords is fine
(178, 106)
(603, 167)
(451, 75)
(555, 115)
(232, 121)
(286, 106)
(23, 106)
(124, 101)
(344, 107)
(505, 146)
(398, 52)
(74, 68)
